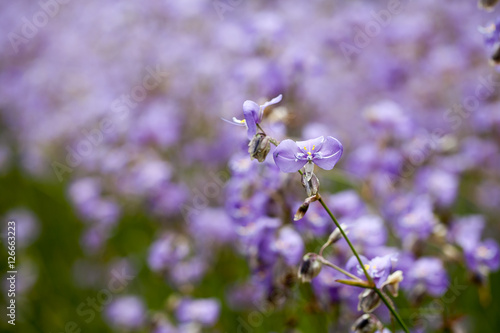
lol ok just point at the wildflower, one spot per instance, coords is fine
(291, 156)
(253, 114)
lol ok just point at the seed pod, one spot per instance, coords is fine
(369, 300)
(304, 207)
(311, 185)
(259, 147)
(487, 4)
(367, 323)
(310, 267)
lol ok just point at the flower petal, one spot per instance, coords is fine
(308, 145)
(275, 100)
(234, 121)
(331, 151)
(285, 156)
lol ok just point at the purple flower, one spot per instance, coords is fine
(428, 274)
(379, 268)
(203, 311)
(290, 245)
(126, 312)
(485, 254)
(253, 114)
(291, 156)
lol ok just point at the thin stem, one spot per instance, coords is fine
(368, 277)
(327, 263)
(391, 308)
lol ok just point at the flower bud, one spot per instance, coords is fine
(304, 207)
(336, 235)
(259, 147)
(392, 282)
(369, 300)
(310, 267)
(310, 184)
(487, 4)
(367, 323)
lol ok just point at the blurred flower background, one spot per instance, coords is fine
(138, 210)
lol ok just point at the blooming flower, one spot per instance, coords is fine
(291, 156)
(379, 268)
(253, 114)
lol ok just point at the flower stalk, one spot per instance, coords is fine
(368, 277)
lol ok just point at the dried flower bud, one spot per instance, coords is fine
(367, 323)
(487, 4)
(310, 267)
(259, 147)
(495, 56)
(392, 283)
(311, 185)
(336, 235)
(304, 207)
(369, 300)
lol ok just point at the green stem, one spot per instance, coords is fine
(327, 263)
(391, 308)
(368, 277)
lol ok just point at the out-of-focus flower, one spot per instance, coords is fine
(466, 231)
(426, 274)
(492, 39)
(253, 114)
(485, 254)
(418, 221)
(167, 251)
(289, 245)
(291, 156)
(126, 312)
(202, 311)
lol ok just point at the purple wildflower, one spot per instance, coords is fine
(253, 114)
(203, 311)
(126, 312)
(428, 274)
(485, 254)
(379, 268)
(291, 156)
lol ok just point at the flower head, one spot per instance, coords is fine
(253, 114)
(291, 156)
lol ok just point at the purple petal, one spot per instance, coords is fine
(251, 113)
(285, 157)
(311, 146)
(275, 100)
(331, 151)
